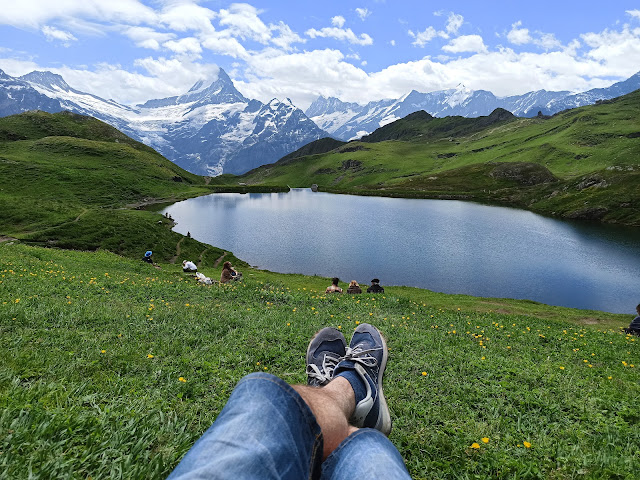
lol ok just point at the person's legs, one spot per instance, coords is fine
(366, 453)
(332, 405)
(271, 430)
(265, 431)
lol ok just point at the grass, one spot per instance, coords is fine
(74, 182)
(581, 163)
(94, 346)
(112, 368)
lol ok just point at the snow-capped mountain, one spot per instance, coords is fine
(209, 130)
(332, 113)
(18, 96)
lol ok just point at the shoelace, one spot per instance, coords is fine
(324, 375)
(362, 355)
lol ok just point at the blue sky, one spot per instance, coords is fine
(134, 50)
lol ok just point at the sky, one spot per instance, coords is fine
(358, 51)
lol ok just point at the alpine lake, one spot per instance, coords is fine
(441, 245)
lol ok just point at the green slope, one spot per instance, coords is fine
(72, 181)
(584, 163)
(94, 346)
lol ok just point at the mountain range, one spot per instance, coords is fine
(210, 130)
(213, 129)
(349, 121)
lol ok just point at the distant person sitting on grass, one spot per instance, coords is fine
(354, 287)
(333, 428)
(148, 257)
(228, 273)
(634, 326)
(189, 266)
(334, 288)
(375, 287)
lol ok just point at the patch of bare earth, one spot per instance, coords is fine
(589, 321)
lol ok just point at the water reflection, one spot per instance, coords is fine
(446, 246)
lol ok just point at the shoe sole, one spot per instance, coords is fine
(384, 417)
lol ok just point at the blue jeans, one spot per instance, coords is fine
(267, 431)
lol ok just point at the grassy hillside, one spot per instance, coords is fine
(581, 163)
(72, 181)
(112, 369)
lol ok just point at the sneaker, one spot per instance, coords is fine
(367, 356)
(325, 350)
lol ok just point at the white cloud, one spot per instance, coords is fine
(617, 49)
(286, 36)
(338, 21)
(454, 22)
(363, 63)
(183, 17)
(340, 34)
(35, 13)
(222, 43)
(189, 45)
(422, 38)
(54, 34)
(244, 22)
(146, 37)
(466, 43)
(392, 43)
(519, 36)
(634, 13)
(548, 41)
(363, 13)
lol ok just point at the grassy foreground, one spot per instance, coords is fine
(112, 369)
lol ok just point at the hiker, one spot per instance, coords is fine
(634, 326)
(375, 286)
(334, 288)
(229, 273)
(189, 266)
(334, 427)
(148, 257)
(354, 287)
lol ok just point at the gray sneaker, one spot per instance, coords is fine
(325, 350)
(367, 356)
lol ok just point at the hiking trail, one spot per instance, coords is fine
(174, 258)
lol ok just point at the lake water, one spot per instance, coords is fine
(444, 246)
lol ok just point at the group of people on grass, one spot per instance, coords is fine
(228, 272)
(353, 287)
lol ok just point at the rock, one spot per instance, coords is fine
(588, 213)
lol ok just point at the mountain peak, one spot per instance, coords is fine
(46, 79)
(221, 90)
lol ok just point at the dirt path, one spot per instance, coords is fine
(6, 239)
(219, 259)
(84, 210)
(200, 258)
(173, 259)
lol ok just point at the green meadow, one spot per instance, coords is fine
(111, 368)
